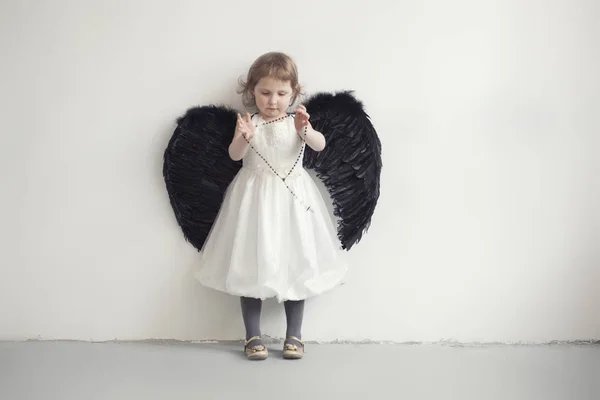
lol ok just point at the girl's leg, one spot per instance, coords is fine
(294, 312)
(251, 309)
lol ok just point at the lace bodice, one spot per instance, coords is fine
(278, 143)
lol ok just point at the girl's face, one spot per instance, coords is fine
(273, 97)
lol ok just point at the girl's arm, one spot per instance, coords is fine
(238, 148)
(239, 144)
(314, 139)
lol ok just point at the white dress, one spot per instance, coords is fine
(267, 242)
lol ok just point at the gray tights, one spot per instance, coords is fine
(251, 309)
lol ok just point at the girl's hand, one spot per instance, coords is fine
(301, 119)
(244, 127)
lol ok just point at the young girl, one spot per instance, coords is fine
(273, 237)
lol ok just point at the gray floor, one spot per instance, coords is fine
(74, 370)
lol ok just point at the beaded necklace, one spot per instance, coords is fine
(295, 162)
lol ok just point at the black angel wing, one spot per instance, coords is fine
(350, 165)
(197, 168)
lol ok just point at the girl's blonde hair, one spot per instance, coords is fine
(274, 64)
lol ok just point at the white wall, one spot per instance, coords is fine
(488, 223)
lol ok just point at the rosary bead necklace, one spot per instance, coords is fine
(295, 163)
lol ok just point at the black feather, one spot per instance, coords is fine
(197, 168)
(350, 165)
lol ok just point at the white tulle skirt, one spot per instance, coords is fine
(264, 243)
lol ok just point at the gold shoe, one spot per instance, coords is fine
(291, 351)
(257, 352)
